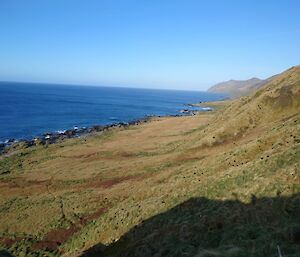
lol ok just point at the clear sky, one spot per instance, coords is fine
(180, 44)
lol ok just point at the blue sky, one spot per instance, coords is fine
(180, 44)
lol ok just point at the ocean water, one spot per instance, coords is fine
(28, 110)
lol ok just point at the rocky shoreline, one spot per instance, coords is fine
(76, 132)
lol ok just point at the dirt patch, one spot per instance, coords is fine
(8, 242)
(56, 237)
(93, 216)
(46, 245)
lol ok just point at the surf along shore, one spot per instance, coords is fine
(12, 144)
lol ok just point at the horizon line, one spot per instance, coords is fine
(98, 85)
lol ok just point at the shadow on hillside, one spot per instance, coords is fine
(203, 227)
(4, 253)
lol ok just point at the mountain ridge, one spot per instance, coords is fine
(236, 88)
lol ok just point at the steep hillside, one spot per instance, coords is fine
(236, 88)
(277, 100)
(223, 183)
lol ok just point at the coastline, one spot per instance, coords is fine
(58, 136)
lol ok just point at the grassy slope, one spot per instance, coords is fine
(224, 183)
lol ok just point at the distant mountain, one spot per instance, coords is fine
(236, 88)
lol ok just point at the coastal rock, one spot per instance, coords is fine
(70, 132)
(124, 124)
(185, 111)
(9, 141)
(39, 141)
(2, 147)
(96, 128)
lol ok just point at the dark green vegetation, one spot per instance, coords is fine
(203, 227)
(224, 183)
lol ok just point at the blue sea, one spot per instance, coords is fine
(31, 109)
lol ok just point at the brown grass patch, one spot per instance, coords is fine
(55, 238)
(114, 181)
(8, 242)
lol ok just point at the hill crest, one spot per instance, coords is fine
(236, 88)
